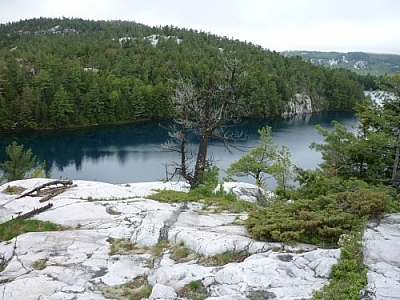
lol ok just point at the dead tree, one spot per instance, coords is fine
(202, 114)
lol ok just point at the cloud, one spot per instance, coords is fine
(341, 35)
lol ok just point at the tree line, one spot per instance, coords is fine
(60, 73)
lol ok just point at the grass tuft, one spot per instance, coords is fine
(15, 227)
(13, 190)
(193, 290)
(136, 289)
(39, 264)
(219, 201)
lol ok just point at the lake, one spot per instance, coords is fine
(131, 153)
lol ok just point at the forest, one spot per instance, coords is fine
(64, 73)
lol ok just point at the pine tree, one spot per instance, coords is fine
(20, 163)
(258, 161)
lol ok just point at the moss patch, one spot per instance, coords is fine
(124, 247)
(15, 227)
(136, 289)
(13, 190)
(224, 258)
(194, 290)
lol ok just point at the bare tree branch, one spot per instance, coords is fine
(204, 114)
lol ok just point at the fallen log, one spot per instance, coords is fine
(34, 212)
(39, 190)
(52, 194)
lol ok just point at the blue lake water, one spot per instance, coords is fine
(132, 153)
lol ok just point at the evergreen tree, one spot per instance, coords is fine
(108, 80)
(283, 171)
(19, 164)
(372, 152)
(258, 162)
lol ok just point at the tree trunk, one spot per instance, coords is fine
(201, 162)
(396, 164)
(182, 151)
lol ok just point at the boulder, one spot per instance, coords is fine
(248, 192)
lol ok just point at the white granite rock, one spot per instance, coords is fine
(178, 275)
(248, 192)
(382, 256)
(274, 272)
(75, 263)
(162, 291)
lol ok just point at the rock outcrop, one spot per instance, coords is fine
(300, 104)
(112, 239)
(382, 257)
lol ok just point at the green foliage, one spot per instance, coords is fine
(224, 258)
(258, 161)
(365, 156)
(194, 285)
(393, 206)
(219, 201)
(314, 183)
(170, 196)
(349, 276)
(15, 227)
(20, 162)
(209, 182)
(372, 152)
(335, 155)
(39, 171)
(283, 171)
(335, 210)
(207, 193)
(193, 290)
(84, 73)
(206, 189)
(266, 159)
(14, 190)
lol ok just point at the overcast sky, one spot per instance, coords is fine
(322, 25)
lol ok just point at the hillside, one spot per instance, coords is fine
(57, 73)
(359, 62)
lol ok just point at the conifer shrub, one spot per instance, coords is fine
(320, 220)
(349, 276)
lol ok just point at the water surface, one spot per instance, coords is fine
(132, 153)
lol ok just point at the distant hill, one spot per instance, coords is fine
(359, 62)
(57, 73)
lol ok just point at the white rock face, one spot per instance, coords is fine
(162, 291)
(379, 96)
(76, 263)
(300, 104)
(248, 192)
(382, 256)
